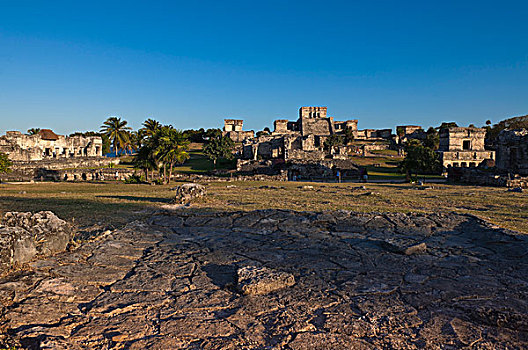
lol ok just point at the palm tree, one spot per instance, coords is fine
(170, 148)
(117, 131)
(145, 160)
(33, 131)
(150, 126)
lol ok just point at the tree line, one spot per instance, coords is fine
(159, 148)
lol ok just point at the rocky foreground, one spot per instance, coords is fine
(277, 279)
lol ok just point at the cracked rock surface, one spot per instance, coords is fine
(332, 280)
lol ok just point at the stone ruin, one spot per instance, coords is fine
(299, 146)
(510, 169)
(404, 133)
(233, 129)
(304, 138)
(512, 151)
(47, 156)
(48, 145)
(463, 147)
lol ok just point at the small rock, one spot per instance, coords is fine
(187, 193)
(395, 247)
(253, 280)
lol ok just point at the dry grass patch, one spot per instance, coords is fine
(118, 203)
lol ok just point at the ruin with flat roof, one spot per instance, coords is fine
(463, 147)
(233, 130)
(48, 145)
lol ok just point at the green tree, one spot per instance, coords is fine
(448, 125)
(349, 135)
(130, 142)
(510, 123)
(219, 147)
(196, 136)
(213, 133)
(145, 160)
(150, 126)
(163, 150)
(117, 131)
(5, 163)
(171, 149)
(33, 131)
(419, 159)
(332, 141)
(432, 139)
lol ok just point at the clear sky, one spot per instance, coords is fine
(67, 65)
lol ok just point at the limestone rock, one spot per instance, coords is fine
(25, 235)
(255, 280)
(186, 193)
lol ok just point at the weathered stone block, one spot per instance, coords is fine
(255, 280)
(186, 193)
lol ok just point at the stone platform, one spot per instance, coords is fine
(321, 281)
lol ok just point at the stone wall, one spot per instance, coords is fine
(312, 112)
(316, 126)
(233, 130)
(465, 158)
(233, 124)
(20, 147)
(463, 147)
(477, 176)
(460, 139)
(512, 151)
(33, 170)
(100, 174)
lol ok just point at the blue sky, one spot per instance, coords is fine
(67, 65)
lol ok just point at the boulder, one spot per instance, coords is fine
(188, 192)
(23, 235)
(254, 280)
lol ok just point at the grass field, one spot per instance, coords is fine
(117, 203)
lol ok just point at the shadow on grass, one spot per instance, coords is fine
(138, 199)
(83, 211)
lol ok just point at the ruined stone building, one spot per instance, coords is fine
(463, 147)
(512, 151)
(233, 129)
(405, 133)
(48, 145)
(301, 144)
(304, 138)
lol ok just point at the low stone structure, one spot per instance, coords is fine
(463, 147)
(233, 129)
(48, 145)
(301, 169)
(67, 169)
(512, 151)
(487, 177)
